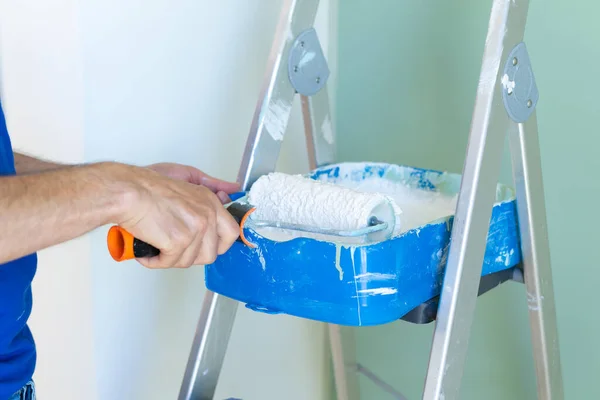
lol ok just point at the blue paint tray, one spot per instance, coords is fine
(363, 284)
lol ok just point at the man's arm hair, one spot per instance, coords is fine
(44, 209)
(26, 164)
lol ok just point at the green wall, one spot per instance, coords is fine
(407, 79)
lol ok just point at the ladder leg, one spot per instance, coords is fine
(275, 104)
(260, 157)
(320, 140)
(318, 126)
(345, 366)
(476, 197)
(208, 348)
(531, 209)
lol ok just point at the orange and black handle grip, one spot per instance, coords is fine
(123, 246)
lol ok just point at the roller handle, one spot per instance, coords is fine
(123, 246)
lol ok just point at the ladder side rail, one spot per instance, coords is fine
(319, 129)
(208, 347)
(531, 211)
(342, 343)
(481, 170)
(320, 142)
(268, 127)
(274, 106)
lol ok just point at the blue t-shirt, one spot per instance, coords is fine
(17, 348)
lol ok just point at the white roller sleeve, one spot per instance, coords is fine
(300, 200)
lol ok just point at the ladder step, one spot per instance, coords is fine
(427, 312)
(366, 284)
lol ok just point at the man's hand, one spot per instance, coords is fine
(172, 207)
(177, 209)
(193, 175)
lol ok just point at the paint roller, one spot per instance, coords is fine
(294, 203)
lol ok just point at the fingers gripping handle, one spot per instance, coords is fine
(123, 246)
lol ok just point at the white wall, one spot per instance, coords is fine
(141, 82)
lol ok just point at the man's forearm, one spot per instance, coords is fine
(25, 164)
(41, 210)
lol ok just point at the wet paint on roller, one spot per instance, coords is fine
(360, 285)
(297, 199)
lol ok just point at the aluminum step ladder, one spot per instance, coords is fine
(506, 99)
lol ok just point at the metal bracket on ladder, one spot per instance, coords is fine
(296, 66)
